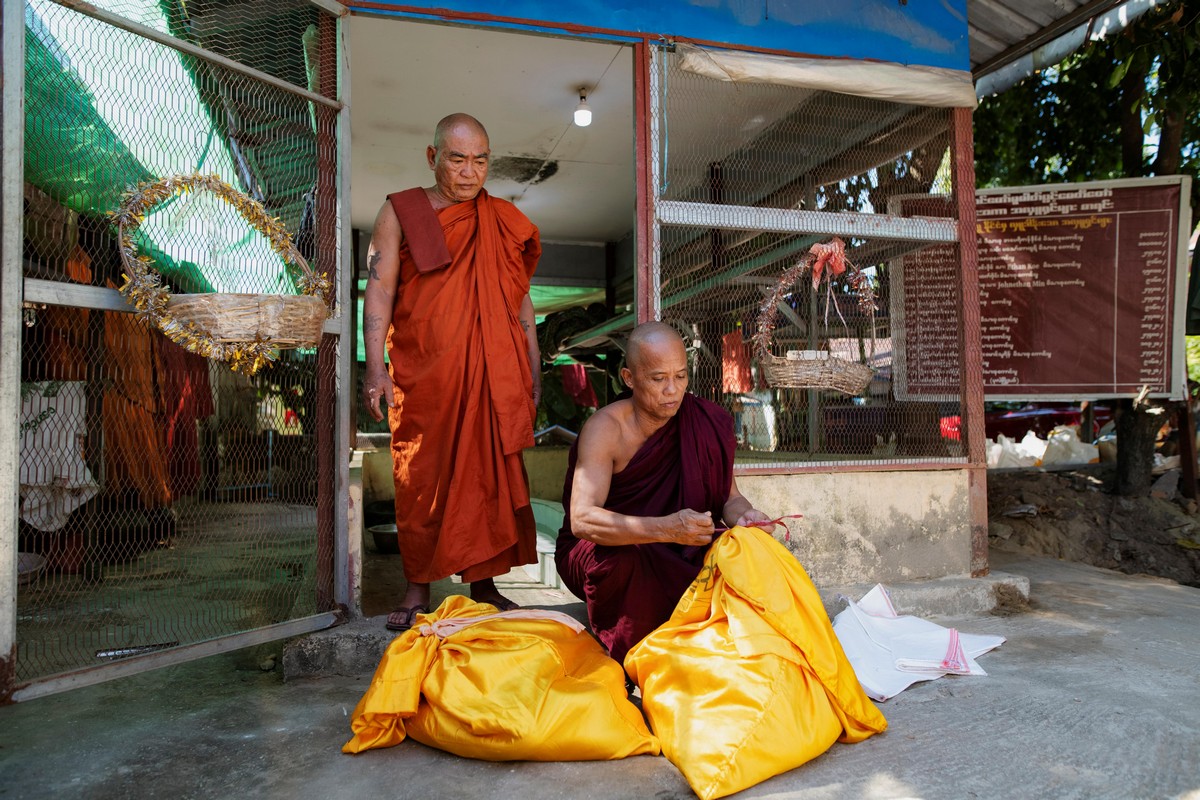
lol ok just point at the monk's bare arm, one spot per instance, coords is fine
(598, 444)
(383, 275)
(739, 511)
(529, 323)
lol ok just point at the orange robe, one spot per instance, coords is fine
(464, 407)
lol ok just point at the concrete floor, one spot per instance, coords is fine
(229, 567)
(1093, 696)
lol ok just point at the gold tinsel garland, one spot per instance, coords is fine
(143, 286)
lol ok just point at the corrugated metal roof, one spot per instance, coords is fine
(1002, 31)
(1013, 39)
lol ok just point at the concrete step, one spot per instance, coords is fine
(355, 648)
(941, 597)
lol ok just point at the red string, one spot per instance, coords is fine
(787, 532)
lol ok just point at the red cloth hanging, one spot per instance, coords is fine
(186, 397)
(735, 364)
(577, 386)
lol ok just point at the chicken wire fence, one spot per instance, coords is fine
(748, 178)
(166, 500)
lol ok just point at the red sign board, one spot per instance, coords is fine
(1081, 290)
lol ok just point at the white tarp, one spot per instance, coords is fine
(890, 652)
(54, 478)
(883, 80)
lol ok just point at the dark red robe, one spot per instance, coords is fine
(632, 589)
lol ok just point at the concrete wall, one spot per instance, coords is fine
(858, 527)
(546, 467)
(377, 480)
(868, 527)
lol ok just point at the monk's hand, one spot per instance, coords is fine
(753, 518)
(377, 386)
(693, 528)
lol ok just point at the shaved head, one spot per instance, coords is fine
(465, 122)
(459, 157)
(650, 335)
(656, 370)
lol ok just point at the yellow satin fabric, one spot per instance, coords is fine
(501, 690)
(747, 679)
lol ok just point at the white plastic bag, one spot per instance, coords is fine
(1034, 447)
(1064, 447)
(1004, 452)
(890, 652)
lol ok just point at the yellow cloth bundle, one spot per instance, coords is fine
(747, 679)
(518, 685)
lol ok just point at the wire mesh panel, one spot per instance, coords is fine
(260, 35)
(107, 109)
(166, 500)
(750, 177)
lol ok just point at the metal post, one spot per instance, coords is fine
(646, 276)
(347, 557)
(328, 461)
(962, 157)
(12, 174)
(812, 408)
(333, 7)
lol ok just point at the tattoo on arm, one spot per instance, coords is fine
(372, 323)
(525, 325)
(371, 262)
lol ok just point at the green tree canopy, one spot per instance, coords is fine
(1126, 106)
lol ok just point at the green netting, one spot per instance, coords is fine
(545, 300)
(106, 109)
(64, 130)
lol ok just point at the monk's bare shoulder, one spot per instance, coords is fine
(602, 433)
(615, 413)
(387, 225)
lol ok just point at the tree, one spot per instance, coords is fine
(1126, 106)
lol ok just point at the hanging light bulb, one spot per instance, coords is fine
(583, 112)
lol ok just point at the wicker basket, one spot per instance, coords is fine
(285, 321)
(838, 374)
(831, 372)
(242, 329)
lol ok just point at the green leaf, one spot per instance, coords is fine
(1118, 74)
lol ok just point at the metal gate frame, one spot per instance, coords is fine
(333, 571)
(654, 213)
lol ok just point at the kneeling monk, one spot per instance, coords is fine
(647, 482)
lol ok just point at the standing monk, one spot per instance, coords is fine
(449, 291)
(647, 482)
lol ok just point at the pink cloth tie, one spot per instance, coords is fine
(444, 628)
